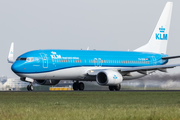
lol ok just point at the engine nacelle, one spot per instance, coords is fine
(47, 82)
(109, 77)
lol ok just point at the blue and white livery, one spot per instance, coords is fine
(109, 68)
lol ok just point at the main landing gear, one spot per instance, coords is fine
(116, 88)
(78, 86)
(30, 87)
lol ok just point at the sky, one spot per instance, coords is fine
(119, 25)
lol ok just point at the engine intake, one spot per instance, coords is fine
(109, 77)
(102, 78)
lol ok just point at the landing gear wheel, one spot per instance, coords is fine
(118, 87)
(81, 86)
(111, 88)
(30, 87)
(75, 86)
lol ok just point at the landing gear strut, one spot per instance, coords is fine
(78, 86)
(116, 88)
(30, 87)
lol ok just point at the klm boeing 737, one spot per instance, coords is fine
(107, 68)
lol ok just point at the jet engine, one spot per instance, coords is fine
(47, 82)
(109, 77)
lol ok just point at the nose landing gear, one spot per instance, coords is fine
(78, 86)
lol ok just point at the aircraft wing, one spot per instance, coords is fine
(142, 70)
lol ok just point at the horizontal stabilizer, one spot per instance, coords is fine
(148, 68)
(170, 57)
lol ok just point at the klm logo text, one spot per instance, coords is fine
(55, 56)
(161, 35)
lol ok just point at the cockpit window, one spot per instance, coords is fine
(21, 58)
(30, 59)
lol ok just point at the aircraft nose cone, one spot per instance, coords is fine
(16, 68)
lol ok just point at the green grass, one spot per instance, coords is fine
(90, 105)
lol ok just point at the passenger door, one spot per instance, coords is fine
(44, 59)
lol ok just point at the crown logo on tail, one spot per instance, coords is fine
(161, 29)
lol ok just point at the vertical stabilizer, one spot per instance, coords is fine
(11, 53)
(159, 39)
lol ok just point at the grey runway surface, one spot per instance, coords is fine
(103, 91)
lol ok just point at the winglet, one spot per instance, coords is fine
(11, 53)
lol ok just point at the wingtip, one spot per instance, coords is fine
(10, 58)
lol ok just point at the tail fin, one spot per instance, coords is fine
(159, 39)
(11, 54)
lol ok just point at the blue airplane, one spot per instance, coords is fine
(107, 68)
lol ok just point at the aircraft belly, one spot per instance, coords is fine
(33, 75)
(76, 73)
(64, 74)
